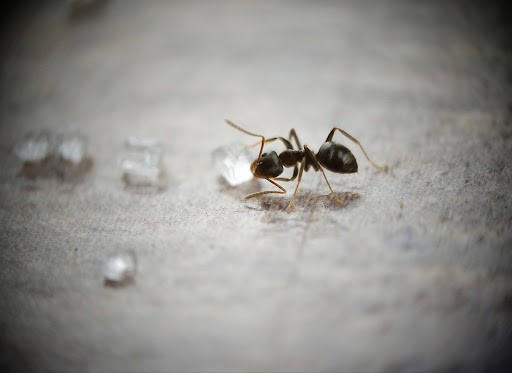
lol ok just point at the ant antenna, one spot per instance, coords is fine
(249, 133)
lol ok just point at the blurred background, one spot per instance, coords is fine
(110, 113)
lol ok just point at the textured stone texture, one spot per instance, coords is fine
(413, 273)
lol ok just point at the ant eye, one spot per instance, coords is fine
(263, 155)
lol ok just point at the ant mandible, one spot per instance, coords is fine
(333, 156)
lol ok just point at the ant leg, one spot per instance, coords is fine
(295, 171)
(293, 135)
(316, 164)
(249, 133)
(283, 191)
(331, 134)
(285, 142)
(297, 186)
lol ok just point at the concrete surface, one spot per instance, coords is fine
(412, 274)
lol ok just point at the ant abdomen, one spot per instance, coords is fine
(336, 158)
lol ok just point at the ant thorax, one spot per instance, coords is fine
(289, 158)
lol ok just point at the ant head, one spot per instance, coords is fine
(268, 165)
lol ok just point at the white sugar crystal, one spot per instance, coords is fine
(141, 142)
(33, 148)
(142, 163)
(233, 162)
(120, 268)
(72, 149)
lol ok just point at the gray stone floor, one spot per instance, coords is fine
(413, 273)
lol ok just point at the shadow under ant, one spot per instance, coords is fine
(308, 201)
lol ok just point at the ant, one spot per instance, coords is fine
(332, 156)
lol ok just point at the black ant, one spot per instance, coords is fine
(333, 156)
